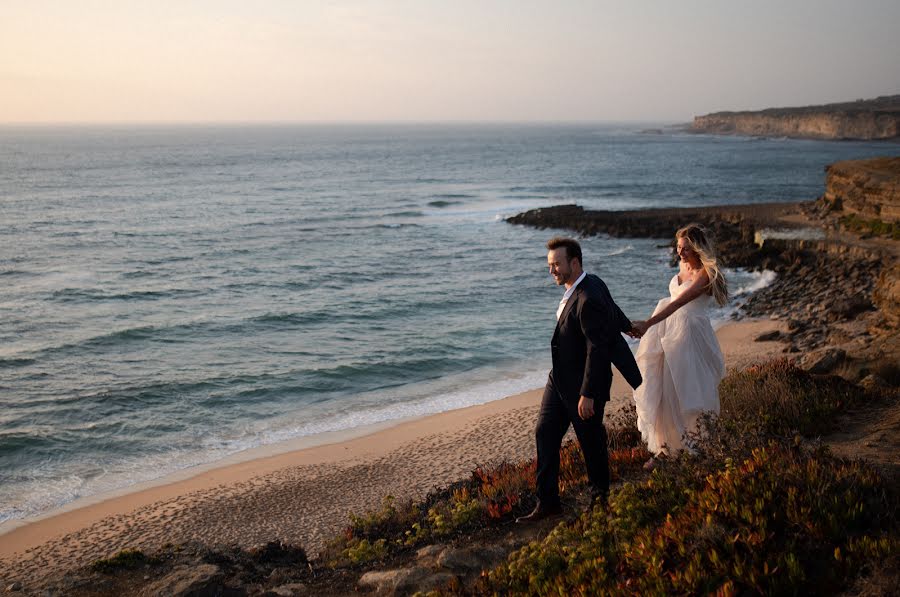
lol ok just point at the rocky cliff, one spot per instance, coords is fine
(838, 292)
(864, 119)
(869, 188)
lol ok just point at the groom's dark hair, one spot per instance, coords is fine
(573, 249)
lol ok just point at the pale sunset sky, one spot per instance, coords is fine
(429, 60)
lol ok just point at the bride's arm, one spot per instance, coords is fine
(699, 286)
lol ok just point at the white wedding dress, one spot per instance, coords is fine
(682, 365)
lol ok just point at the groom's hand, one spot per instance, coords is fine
(639, 328)
(585, 407)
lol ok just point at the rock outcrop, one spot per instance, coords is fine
(864, 119)
(869, 188)
(436, 567)
(733, 226)
(834, 292)
(886, 295)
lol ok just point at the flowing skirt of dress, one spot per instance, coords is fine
(682, 365)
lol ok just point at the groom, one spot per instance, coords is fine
(586, 341)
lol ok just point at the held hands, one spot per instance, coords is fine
(638, 329)
(585, 407)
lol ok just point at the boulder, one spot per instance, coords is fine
(289, 590)
(872, 381)
(391, 582)
(428, 554)
(824, 361)
(797, 325)
(469, 560)
(768, 336)
(204, 580)
(460, 560)
(849, 307)
(436, 581)
(887, 294)
(404, 581)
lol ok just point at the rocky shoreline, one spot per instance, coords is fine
(836, 292)
(735, 226)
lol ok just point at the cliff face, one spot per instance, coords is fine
(870, 188)
(865, 119)
(864, 125)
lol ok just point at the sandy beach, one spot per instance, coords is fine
(304, 496)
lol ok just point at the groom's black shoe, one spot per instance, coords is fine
(541, 512)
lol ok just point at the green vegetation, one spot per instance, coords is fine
(785, 520)
(760, 507)
(872, 226)
(490, 497)
(756, 510)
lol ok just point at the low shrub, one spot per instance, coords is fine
(378, 523)
(755, 508)
(782, 399)
(362, 551)
(752, 510)
(491, 496)
(775, 400)
(621, 427)
(782, 521)
(873, 226)
(364, 540)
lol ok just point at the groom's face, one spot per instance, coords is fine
(560, 266)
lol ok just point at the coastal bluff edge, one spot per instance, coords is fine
(869, 120)
(837, 282)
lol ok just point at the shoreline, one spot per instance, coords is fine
(268, 450)
(301, 495)
(186, 474)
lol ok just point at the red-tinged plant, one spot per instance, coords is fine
(750, 510)
(627, 461)
(781, 521)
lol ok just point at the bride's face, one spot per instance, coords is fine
(686, 253)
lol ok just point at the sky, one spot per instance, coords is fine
(434, 61)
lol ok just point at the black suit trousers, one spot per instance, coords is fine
(554, 419)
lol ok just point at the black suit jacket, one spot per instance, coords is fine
(587, 340)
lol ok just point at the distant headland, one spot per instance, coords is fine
(872, 119)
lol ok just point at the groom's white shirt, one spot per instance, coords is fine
(568, 295)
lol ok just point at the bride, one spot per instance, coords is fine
(679, 355)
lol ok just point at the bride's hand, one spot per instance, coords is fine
(639, 328)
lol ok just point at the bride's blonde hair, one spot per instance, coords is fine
(701, 242)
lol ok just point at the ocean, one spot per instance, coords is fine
(172, 295)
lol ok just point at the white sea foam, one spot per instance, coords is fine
(757, 281)
(619, 251)
(46, 492)
(744, 284)
(354, 416)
